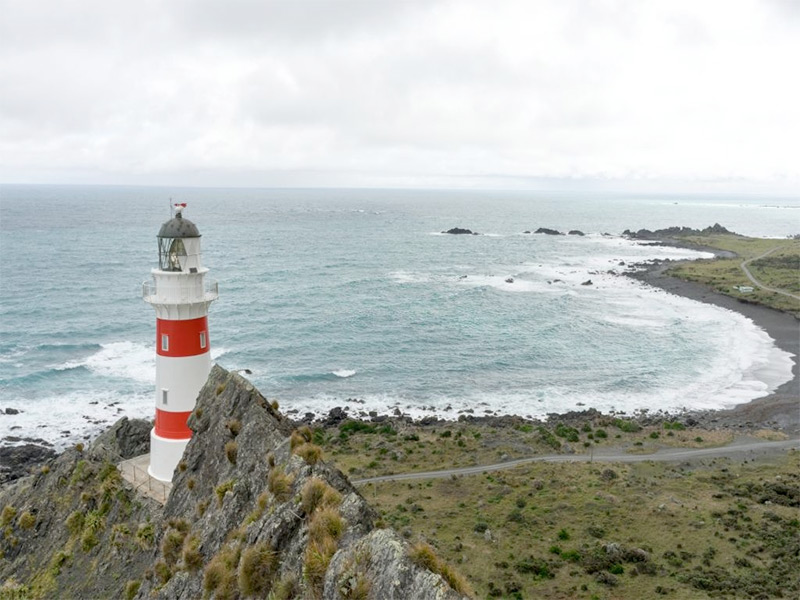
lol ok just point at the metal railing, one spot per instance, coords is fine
(210, 292)
(149, 486)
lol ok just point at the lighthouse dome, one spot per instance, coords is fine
(178, 227)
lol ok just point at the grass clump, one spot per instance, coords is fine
(26, 520)
(8, 515)
(300, 436)
(257, 569)
(192, 559)
(231, 451)
(326, 522)
(132, 588)
(316, 493)
(424, 556)
(89, 540)
(172, 545)
(317, 558)
(145, 535)
(224, 488)
(311, 453)
(220, 577)
(279, 484)
(234, 426)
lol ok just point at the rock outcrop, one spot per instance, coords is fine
(548, 231)
(253, 509)
(460, 231)
(675, 232)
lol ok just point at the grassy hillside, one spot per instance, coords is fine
(712, 529)
(780, 270)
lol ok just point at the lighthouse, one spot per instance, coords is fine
(180, 295)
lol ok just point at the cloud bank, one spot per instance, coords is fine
(429, 93)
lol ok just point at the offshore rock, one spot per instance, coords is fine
(251, 509)
(673, 232)
(460, 231)
(547, 231)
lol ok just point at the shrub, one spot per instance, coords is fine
(563, 534)
(224, 488)
(182, 466)
(257, 569)
(356, 427)
(654, 435)
(326, 522)
(617, 569)
(626, 425)
(192, 559)
(676, 425)
(132, 588)
(570, 433)
(311, 453)
(446, 433)
(601, 433)
(231, 451)
(79, 447)
(27, 520)
(9, 512)
(280, 484)
(480, 527)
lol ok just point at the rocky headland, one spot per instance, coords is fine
(254, 509)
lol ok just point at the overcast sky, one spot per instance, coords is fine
(459, 93)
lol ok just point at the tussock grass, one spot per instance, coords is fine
(279, 484)
(316, 493)
(311, 453)
(423, 555)
(257, 569)
(220, 575)
(316, 560)
(326, 522)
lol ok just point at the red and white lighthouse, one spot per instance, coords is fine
(180, 296)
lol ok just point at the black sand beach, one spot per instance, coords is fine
(779, 410)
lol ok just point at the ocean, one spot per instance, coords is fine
(355, 298)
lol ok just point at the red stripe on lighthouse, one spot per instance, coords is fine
(172, 425)
(183, 338)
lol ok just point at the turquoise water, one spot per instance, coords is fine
(329, 295)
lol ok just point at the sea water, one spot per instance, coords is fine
(355, 298)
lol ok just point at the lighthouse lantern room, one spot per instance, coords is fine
(180, 296)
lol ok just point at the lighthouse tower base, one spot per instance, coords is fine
(169, 453)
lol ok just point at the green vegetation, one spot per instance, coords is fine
(423, 555)
(719, 528)
(778, 270)
(257, 568)
(224, 488)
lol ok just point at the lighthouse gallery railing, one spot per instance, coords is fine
(210, 292)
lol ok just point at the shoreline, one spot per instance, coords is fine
(779, 409)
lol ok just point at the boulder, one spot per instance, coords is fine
(576, 232)
(547, 231)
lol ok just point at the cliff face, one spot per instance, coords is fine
(253, 510)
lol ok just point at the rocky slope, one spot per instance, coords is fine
(254, 510)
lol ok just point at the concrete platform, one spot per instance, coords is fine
(134, 471)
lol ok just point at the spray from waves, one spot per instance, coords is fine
(126, 360)
(66, 418)
(344, 373)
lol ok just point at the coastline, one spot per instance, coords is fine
(780, 409)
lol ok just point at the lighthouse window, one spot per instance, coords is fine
(164, 394)
(202, 339)
(176, 251)
(164, 342)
